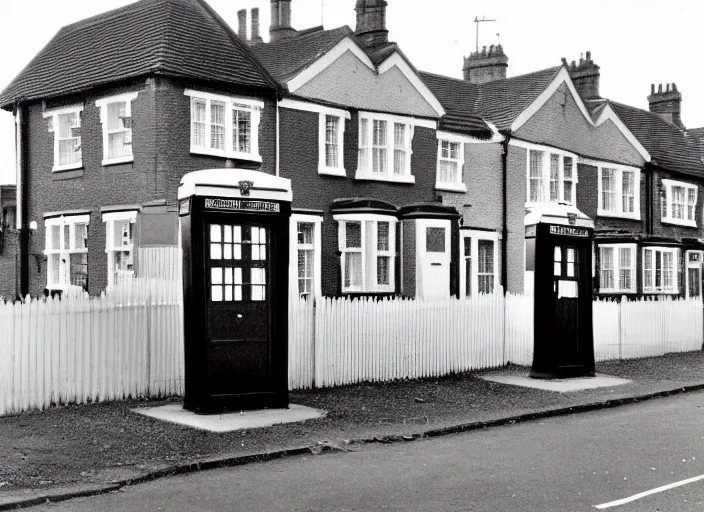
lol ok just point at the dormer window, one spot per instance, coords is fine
(65, 124)
(225, 126)
(116, 118)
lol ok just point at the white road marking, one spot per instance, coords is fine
(648, 493)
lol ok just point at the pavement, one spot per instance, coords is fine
(73, 451)
(647, 456)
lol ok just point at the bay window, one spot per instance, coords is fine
(551, 177)
(119, 245)
(619, 192)
(116, 119)
(367, 245)
(450, 163)
(65, 124)
(617, 268)
(385, 148)
(66, 249)
(225, 126)
(660, 267)
(679, 203)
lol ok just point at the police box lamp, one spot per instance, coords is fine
(235, 240)
(559, 260)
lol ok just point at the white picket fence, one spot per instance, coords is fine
(129, 341)
(126, 343)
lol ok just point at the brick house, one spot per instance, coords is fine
(547, 148)
(106, 131)
(359, 140)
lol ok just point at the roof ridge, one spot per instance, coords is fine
(92, 20)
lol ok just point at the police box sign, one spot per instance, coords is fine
(568, 231)
(233, 205)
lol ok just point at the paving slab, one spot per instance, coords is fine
(232, 421)
(558, 385)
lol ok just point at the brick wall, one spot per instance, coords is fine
(9, 264)
(560, 123)
(299, 162)
(161, 149)
(516, 192)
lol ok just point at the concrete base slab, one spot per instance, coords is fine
(231, 421)
(559, 385)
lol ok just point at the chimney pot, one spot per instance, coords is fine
(589, 56)
(485, 66)
(242, 22)
(371, 22)
(660, 89)
(652, 88)
(280, 20)
(666, 104)
(585, 76)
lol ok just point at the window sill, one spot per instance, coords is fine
(679, 222)
(661, 292)
(618, 215)
(617, 292)
(396, 179)
(222, 154)
(67, 167)
(451, 187)
(116, 161)
(367, 292)
(548, 203)
(332, 171)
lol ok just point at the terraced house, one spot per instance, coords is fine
(404, 182)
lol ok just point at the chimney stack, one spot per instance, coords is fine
(371, 22)
(666, 104)
(242, 24)
(280, 20)
(585, 77)
(256, 38)
(486, 66)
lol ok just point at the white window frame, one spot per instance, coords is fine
(364, 218)
(365, 166)
(696, 265)
(64, 254)
(102, 104)
(254, 107)
(675, 270)
(323, 168)
(317, 221)
(109, 219)
(617, 267)
(53, 116)
(618, 185)
(451, 186)
(475, 236)
(545, 175)
(667, 185)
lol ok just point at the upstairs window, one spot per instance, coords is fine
(331, 132)
(67, 252)
(368, 253)
(65, 124)
(551, 177)
(619, 192)
(680, 203)
(116, 118)
(385, 148)
(225, 126)
(119, 245)
(450, 164)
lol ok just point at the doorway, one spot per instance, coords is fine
(237, 306)
(694, 274)
(567, 269)
(434, 250)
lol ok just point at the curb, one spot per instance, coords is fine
(240, 460)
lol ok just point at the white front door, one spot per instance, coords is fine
(433, 250)
(693, 260)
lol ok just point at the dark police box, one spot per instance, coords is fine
(235, 239)
(559, 252)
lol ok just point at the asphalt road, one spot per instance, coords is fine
(566, 464)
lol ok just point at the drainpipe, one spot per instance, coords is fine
(504, 216)
(22, 209)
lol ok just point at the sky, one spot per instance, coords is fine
(635, 42)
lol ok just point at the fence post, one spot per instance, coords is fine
(313, 345)
(620, 328)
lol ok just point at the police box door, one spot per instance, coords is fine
(238, 305)
(568, 261)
